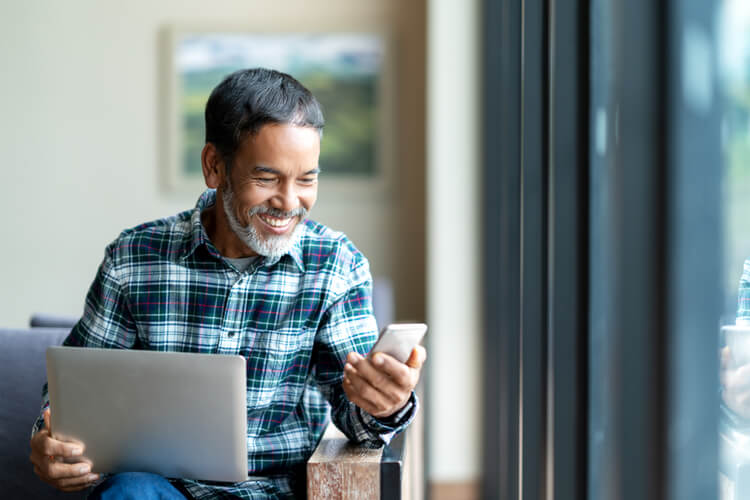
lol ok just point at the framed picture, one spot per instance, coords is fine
(349, 74)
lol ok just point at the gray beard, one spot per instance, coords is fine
(272, 246)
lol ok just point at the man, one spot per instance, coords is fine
(246, 273)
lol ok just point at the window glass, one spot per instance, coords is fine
(603, 144)
(733, 43)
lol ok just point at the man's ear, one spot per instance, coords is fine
(214, 170)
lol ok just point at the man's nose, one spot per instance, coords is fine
(286, 199)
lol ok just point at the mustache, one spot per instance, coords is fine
(275, 212)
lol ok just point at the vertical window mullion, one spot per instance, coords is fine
(501, 198)
(568, 249)
(533, 329)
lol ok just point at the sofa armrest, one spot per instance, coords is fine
(22, 374)
(42, 320)
(341, 469)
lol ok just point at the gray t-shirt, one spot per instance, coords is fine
(242, 263)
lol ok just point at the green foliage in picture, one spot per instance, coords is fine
(342, 71)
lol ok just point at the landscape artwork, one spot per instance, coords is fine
(342, 70)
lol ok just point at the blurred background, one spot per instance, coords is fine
(733, 50)
(91, 145)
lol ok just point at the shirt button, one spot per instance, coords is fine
(231, 334)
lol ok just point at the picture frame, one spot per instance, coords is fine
(350, 72)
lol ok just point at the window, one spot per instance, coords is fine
(604, 236)
(733, 50)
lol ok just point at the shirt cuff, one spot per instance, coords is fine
(387, 427)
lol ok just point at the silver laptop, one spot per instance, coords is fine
(174, 414)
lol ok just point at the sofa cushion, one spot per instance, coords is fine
(22, 374)
(52, 321)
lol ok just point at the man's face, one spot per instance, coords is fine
(272, 185)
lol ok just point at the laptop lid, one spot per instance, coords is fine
(174, 414)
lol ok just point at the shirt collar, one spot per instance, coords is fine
(197, 235)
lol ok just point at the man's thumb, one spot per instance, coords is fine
(417, 357)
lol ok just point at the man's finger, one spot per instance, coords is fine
(78, 482)
(354, 396)
(365, 405)
(362, 392)
(388, 389)
(61, 470)
(387, 376)
(68, 484)
(39, 460)
(54, 448)
(362, 388)
(37, 438)
(417, 357)
(393, 368)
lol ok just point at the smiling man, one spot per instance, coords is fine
(245, 272)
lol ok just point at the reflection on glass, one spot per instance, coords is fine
(734, 62)
(604, 144)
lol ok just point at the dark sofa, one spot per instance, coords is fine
(22, 374)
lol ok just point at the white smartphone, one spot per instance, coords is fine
(399, 339)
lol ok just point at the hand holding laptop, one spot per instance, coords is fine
(55, 463)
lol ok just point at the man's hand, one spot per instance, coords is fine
(46, 455)
(382, 385)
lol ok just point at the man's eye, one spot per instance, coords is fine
(308, 180)
(265, 180)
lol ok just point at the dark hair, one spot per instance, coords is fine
(250, 98)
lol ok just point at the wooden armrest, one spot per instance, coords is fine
(340, 469)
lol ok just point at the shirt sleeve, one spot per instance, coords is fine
(106, 321)
(349, 326)
(743, 297)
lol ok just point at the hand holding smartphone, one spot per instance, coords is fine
(398, 340)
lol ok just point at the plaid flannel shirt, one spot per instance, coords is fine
(164, 286)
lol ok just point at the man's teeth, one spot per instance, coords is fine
(275, 222)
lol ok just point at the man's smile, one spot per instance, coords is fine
(277, 225)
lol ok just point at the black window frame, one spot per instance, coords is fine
(629, 253)
(535, 248)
